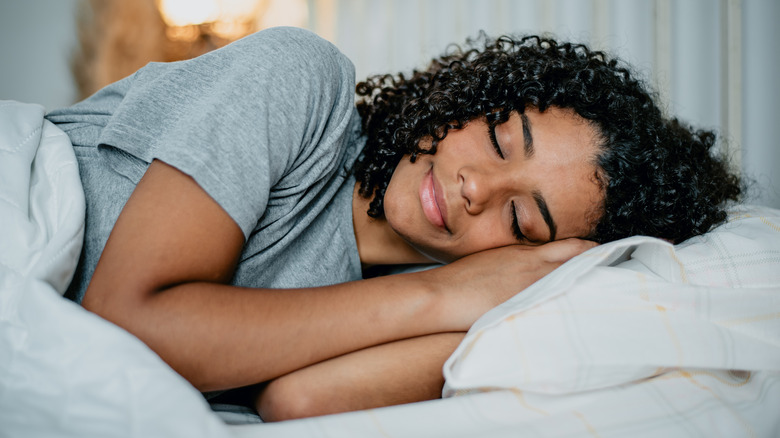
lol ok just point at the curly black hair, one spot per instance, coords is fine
(660, 177)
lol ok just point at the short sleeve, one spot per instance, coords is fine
(240, 118)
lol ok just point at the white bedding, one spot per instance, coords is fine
(634, 338)
(64, 371)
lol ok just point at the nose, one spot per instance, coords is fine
(480, 189)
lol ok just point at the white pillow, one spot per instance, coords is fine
(634, 309)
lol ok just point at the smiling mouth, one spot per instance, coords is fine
(432, 201)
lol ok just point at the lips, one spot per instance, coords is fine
(432, 200)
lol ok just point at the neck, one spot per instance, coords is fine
(377, 242)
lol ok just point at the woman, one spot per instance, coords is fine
(227, 201)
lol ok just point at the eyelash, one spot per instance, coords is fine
(494, 140)
(516, 225)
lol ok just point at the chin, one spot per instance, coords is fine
(436, 255)
(432, 253)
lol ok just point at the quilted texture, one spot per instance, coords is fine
(41, 202)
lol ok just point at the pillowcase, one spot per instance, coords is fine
(634, 309)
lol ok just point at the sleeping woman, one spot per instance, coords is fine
(235, 200)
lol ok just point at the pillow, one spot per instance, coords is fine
(634, 309)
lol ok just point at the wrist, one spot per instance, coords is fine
(444, 302)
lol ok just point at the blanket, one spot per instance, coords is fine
(64, 371)
(632, 338)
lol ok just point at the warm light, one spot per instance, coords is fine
(188, 12)
(285, 13)
(188, 20)
(195, 12)
(238, 10)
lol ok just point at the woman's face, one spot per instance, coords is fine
(536, 184)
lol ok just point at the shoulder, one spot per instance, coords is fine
(292, 36)
(291, 45)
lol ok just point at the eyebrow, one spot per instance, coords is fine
(528, 139)
(542, 204)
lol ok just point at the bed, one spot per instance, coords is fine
(633, 338)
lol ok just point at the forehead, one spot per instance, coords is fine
(563, 131)
(566, 147)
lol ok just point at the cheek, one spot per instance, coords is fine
(493, 235)
(484, 233)
(400, 199)
(395, 191)
(396, 213)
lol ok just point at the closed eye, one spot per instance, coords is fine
(494, 140)
(516, 225)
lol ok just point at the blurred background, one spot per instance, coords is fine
(715, 63)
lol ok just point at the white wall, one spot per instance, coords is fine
(678, 45)
(761, 96)
(36, 40)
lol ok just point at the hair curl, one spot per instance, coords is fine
(661, 177)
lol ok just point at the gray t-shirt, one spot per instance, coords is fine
(266, 126)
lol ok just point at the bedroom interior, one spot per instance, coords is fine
(713, 62)
(634, 338)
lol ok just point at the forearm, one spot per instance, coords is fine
(162, 277)
(398, 372)
(162, 272)
(219, 336)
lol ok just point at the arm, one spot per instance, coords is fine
(161, 277)
(398, 372)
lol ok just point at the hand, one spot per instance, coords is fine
(476, 283)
